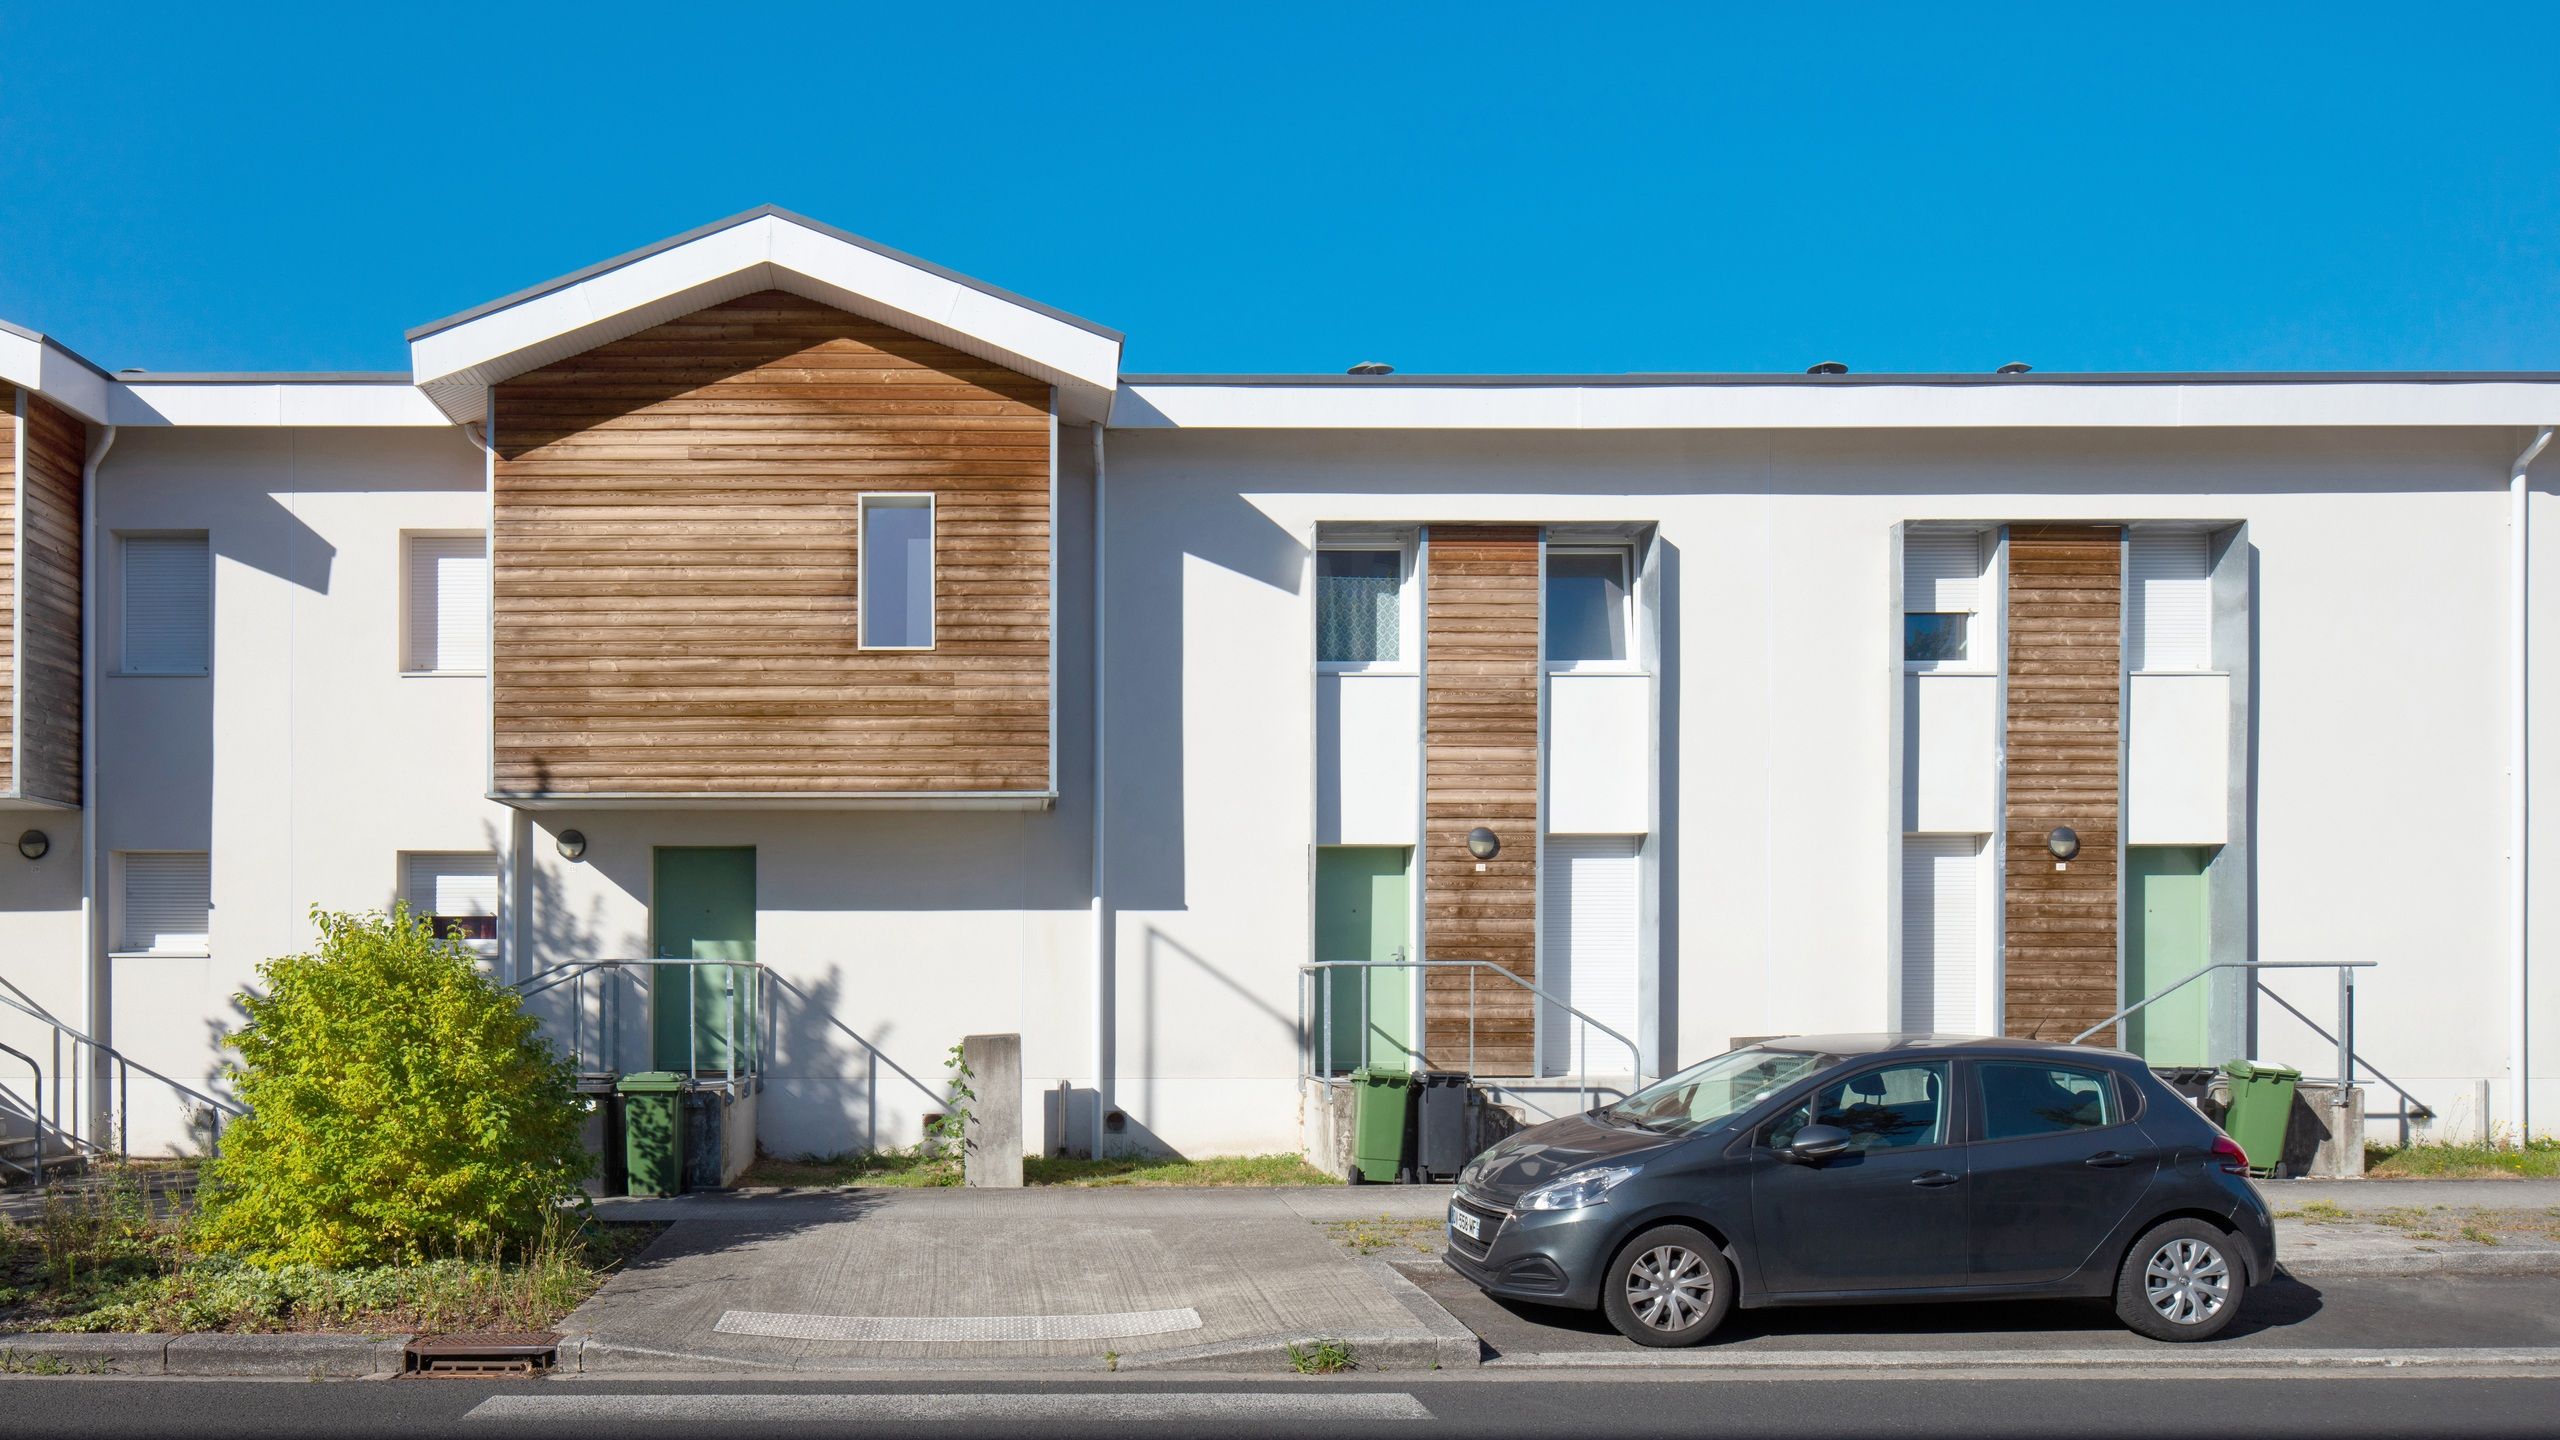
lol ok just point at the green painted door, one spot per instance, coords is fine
(1364, 911)
(2167, 939)
(702, 906)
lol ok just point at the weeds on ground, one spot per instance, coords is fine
(2319, 1212)
(2469, 1160)
(899, 1168)
(20, 1362)
(105, 1259)
(922, 1167)
(1322, 1357)
(1400, 1237)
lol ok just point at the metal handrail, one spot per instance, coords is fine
(35, 1113)
(124, 1066)
(609, 1029)
(1311, 976)
(2344, 1039)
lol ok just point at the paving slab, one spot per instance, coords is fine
(1051, 1278)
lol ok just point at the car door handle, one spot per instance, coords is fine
(1935, 1179)
(2108, 1159)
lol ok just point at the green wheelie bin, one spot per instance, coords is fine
(1383, 1099)
(653, 1132)
(2261, 1107)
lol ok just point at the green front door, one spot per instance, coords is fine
(1364, 912)
(2167, 939)
(702, 906)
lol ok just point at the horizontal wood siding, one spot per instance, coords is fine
(675, 567)
(1480, 767)
(47, 585)
(2065, 767)
(12, 405)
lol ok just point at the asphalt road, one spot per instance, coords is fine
(1634, 1404)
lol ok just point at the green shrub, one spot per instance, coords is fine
(402, 1106)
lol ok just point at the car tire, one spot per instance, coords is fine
(2183, 1280)
(1670, 1286)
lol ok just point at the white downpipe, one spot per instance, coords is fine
(2519, 781)
(1101, 789)
(93, 943)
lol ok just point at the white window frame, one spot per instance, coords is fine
(1981, 644)
(409, 668)
(1630, 663)
(905, 499)
(497, 911)
(124, 604)
(117, 949)
(1408, 610)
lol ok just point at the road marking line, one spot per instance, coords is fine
(1183, 1407)
(950, 1329)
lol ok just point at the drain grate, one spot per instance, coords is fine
(481, 1355)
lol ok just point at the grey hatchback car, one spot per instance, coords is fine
(1855, 1169)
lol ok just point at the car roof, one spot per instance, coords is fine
(1853, 1046)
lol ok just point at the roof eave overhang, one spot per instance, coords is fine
(31, 361)
(455, 361)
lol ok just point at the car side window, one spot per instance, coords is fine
(2022, 1098)
(1898, 1107)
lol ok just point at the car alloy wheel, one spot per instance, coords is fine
(1670, 1287)
(2187, 1281)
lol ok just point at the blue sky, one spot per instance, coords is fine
(1452, 188)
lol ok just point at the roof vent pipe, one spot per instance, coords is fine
(1371, 367)
(2016, 367)
(1827, 367)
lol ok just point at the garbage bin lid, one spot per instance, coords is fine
(1381, 1075)
(651, 1082)
(2259, 1070)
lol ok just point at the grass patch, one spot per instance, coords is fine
(1402, 1237)
(110, 1259)
(19, 1362)
(916, 1169)
(2319, 1212)
(2473, 1160)
(1322, 1357)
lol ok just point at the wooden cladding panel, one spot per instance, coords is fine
(2065, 767)
(676, 575)
(12, 402)
(1480, 767)
(46, 589)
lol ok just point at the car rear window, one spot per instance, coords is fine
(2021, 1098)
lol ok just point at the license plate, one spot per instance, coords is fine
(1465, 1224)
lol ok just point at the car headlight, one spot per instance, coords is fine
(1586, 1187)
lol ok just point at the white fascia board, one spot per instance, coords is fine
(32, 362)
(2347, 403)
(453, 365)
(270, 403)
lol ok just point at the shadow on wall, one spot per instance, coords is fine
(1246, 1019)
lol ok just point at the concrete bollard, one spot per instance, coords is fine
(991, 1154)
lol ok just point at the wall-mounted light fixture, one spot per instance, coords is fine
(573, 843)
(1483, 844)
(34, 844)
(2064, 842)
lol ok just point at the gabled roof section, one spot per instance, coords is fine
(52, 369)
(764, 249)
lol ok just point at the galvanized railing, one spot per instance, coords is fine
(609, 980)
(76, 1056)
(2344, 1037)
(1315, 1020)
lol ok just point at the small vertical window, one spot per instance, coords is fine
(896, 580)
(448, 605)
(2172, 600)
(1359, 607)
(1586, 607)
(1941, 591)
(168, 592)
(166, 902)
(457, 894)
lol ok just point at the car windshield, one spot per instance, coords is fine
(1714, 1091)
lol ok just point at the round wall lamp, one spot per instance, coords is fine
(573, 843)
(34, 844)
(2064, 842)
(1483, 844)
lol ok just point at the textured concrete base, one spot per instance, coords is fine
(89, 1354)
(335, 1357)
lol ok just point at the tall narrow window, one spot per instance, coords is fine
(448, 605)
(896, 582)
(456, 893)
(1359, 607)
(167, 902)
(2170, 576)
(168, 591)
(1941, 590)
(1586, 607)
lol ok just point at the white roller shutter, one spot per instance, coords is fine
(1941, 572)
(1942, 945)
(167, 903)
(2172, 598)
(463, 884)
(448, 602)
(168, 587)
(1587, 910)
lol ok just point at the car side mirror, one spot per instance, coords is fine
(1816, 1143)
